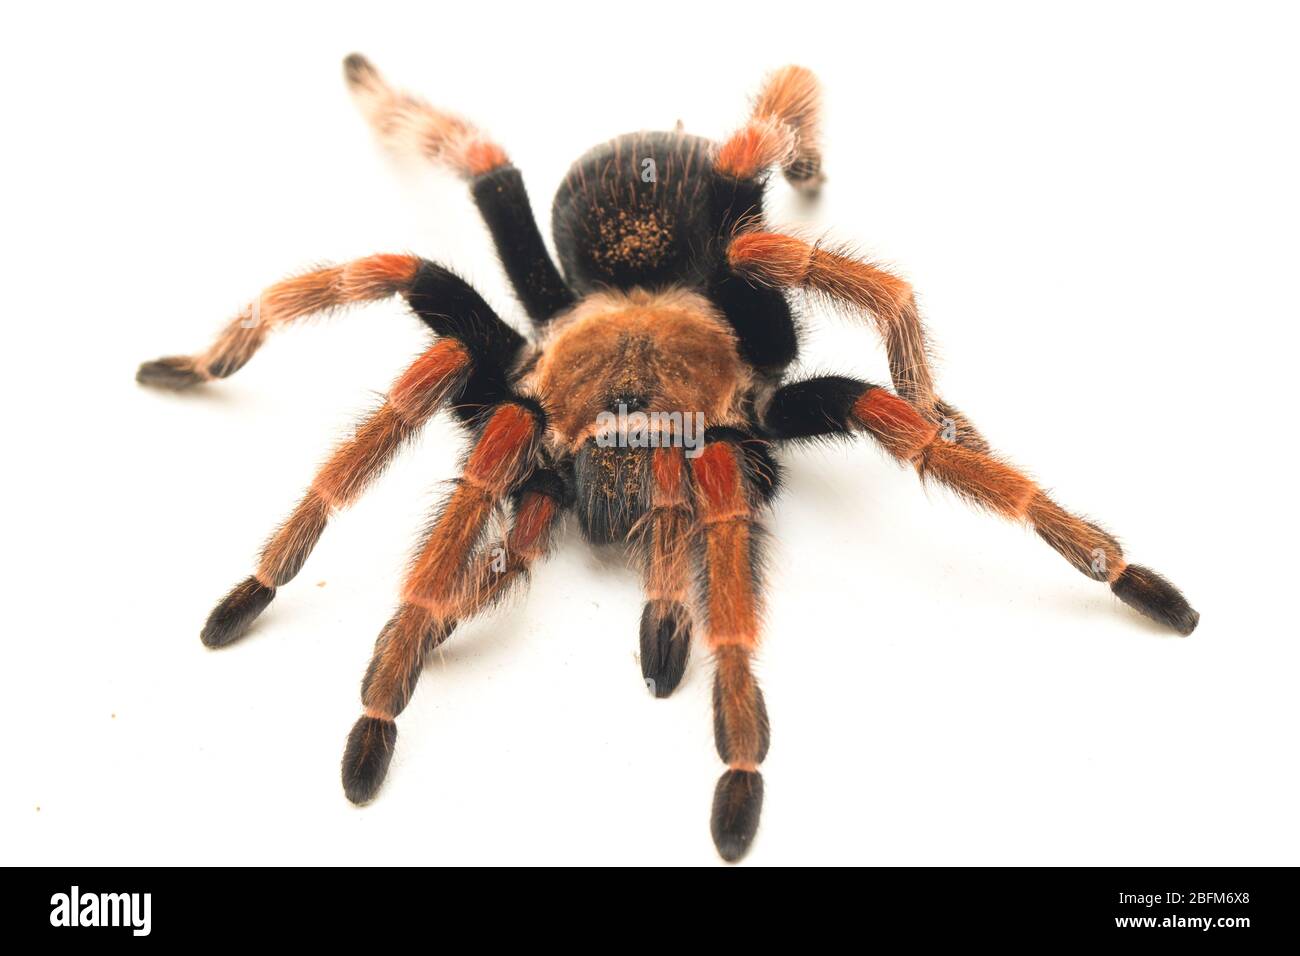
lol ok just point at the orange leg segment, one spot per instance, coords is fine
(414, 398)
(726, 512)
(448, 582)
(364, 280)
(989, 482)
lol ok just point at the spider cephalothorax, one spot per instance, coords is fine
(649, 399)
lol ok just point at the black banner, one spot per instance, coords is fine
(135, 906)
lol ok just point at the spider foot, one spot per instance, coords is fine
(358, 71)
(737, 803)
(805, 173)
(1150, 594)
(236, 612)
(365, 760)
(176, 372)
(665, 645)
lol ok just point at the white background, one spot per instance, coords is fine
(1099, 209)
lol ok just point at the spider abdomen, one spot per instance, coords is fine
(638, 211)
(651, 211)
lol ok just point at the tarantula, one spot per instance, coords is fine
(674, 304)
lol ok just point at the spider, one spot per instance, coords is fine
(674, 303)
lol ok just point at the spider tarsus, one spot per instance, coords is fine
(236, 612)
(1150, 594)
(809, 189)
(176, 373)
(737, 804)
(357, 70)
(805, 175)
(366, 757)
(665, 645)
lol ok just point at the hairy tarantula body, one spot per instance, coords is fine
(650, 400)
(640, 226)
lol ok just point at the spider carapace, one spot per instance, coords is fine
(650, 398)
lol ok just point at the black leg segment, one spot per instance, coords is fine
(450, 306)
(813, 408)
(503, 203)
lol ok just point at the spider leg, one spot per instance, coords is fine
(445, 582)
(413, 399)
(538, 504)
(784, 262)
(411, 128)
(468, 362)
(727, 500)
(832, 406)
(665, 534)
(362, 280)
(782, 130)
